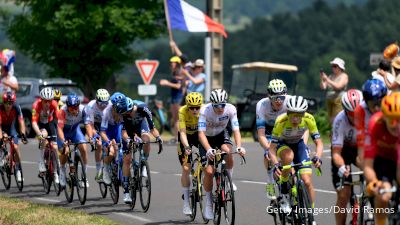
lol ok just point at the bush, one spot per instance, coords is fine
(323, 124)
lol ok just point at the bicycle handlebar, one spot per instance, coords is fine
(160, 145)
(220, 152)
(304, 163)
(388, 190)
(342, 179)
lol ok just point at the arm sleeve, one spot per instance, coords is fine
(260, 119)
(337, 132)
(312, 126)
(234, 119)
(145, 112)
(202, 124)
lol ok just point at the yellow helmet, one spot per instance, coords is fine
(175, 59)
(57, 94)
(194, 99)
(391, 105)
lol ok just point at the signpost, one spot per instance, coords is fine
(147, 69)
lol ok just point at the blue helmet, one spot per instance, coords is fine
(73, 100)
(117, 98)
(374, 89)
(125, 106)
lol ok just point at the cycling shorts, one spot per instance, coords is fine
(193, 140)
(301, 153)
(11, 131)
(113, 132)
(349, 155)
(75, 136)
(215, 142)
(51, 129)
(385, 169)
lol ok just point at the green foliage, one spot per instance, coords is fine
(323, 124)
(87, 41)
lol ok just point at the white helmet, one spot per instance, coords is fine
(351, 99)
(102, 95)
(276, 87)
(218, 96)
(297, 104)
(47, 93)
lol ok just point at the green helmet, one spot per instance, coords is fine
(276, 87)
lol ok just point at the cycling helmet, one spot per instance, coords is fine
(194, 99)
(391, 105)
(73, 100)
(218, 96)
(9, 97)
(175, 59)
(373, 89)
(124, 106)
(57, 94)
(117, 97)
(47, 93)
(276, 87)
(351, 99)
(102, 95)
(297, 104)
(129, 105)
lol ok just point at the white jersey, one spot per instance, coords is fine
(108, 120)
(93, 113)
(343, 133)
(266, 115)
(213, 124)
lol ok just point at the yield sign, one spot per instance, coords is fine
(147, 69)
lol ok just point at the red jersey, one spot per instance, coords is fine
(379, 142)
(41, 115)
(361, 119)
(8, 119)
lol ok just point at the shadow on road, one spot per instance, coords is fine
(169, 222)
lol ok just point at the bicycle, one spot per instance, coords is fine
(394, 204)
(301, 210)
(9, 167)
(224, 193)
(138, 182)
(361, 213)
(75, 175)
(115, 176)
(52, 165)
(196, 194)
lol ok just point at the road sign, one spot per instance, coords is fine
(147, 69)
(144, 90)
(375, 58)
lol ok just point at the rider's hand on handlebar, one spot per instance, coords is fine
(159, 140)
(344, 171)
(138, 140)
(188, 150)
(241, 151)
(276, 171)
(24, 140)
(40, 136)
(317, 161)
(210, 154)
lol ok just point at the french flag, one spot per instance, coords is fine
(183, 16)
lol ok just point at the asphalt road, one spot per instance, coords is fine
(166, 203)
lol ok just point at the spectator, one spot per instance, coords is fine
(177, 85)
(8, 81)
(335, 84)
(197, 80)
(383, 74)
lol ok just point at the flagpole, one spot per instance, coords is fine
(171, 38)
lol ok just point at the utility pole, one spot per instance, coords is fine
(214, 10)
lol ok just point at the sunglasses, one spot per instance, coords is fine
(8, 103)
(103, 104)
(194, 108)
(374, 103)
(73, 107)
(279, 98)
(219, 106)
(334, 66)
(393, 122)
(294, 114)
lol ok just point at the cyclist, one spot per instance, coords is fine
(70, 116)
(94, 114)
(137, 122)
(382, 157)
(213, 133)
(10, 114)
(344, 150)
(268, 109)
(373, 91)
(44, 118)
(57, 97)
(187, 138)
(110, 132)
(288, 145)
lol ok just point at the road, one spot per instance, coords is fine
(166, 203)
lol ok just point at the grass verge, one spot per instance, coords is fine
(15, 211)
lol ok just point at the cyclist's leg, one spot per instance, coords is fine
(302, 154)
(98, 152)
(185, 161)
(52, 131)
(208, 179)
(126, 165)
(78, 137)
(144, 132)
(63, 156)
(44, 129)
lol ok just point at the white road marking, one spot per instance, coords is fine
(154, 172)
(177, 174)
(264, 183)
(47, 200)
(135, 217)
(326, 150)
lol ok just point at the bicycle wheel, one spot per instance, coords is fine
(365, 215)
(305, 210)
(80, 174)
(217, 198)
(6, 175)
(20, 184)
(133, 184)
(114, 187)
(193, 199)
(145, 186)
(201, 195)
(103, 189)
(228, 199)
(69, 182)
(55, 170)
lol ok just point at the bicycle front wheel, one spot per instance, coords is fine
(55, 170)
(201, 195)
(228, 199)
(81, 185)
(103, 189)
(217, 199)
(114, 186)
(6, 175)
(305, 210)
(365, 215)
(193, 200)
(133, 183)
(20, 184)
(145, 185)
(69, 182)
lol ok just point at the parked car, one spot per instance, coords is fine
(29, 89)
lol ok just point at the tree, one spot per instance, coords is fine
(85, 40)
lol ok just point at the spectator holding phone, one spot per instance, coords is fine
(335, 85)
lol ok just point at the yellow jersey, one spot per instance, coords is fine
(187, 120)
(285, 132)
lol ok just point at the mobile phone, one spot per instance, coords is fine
(321, 70)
